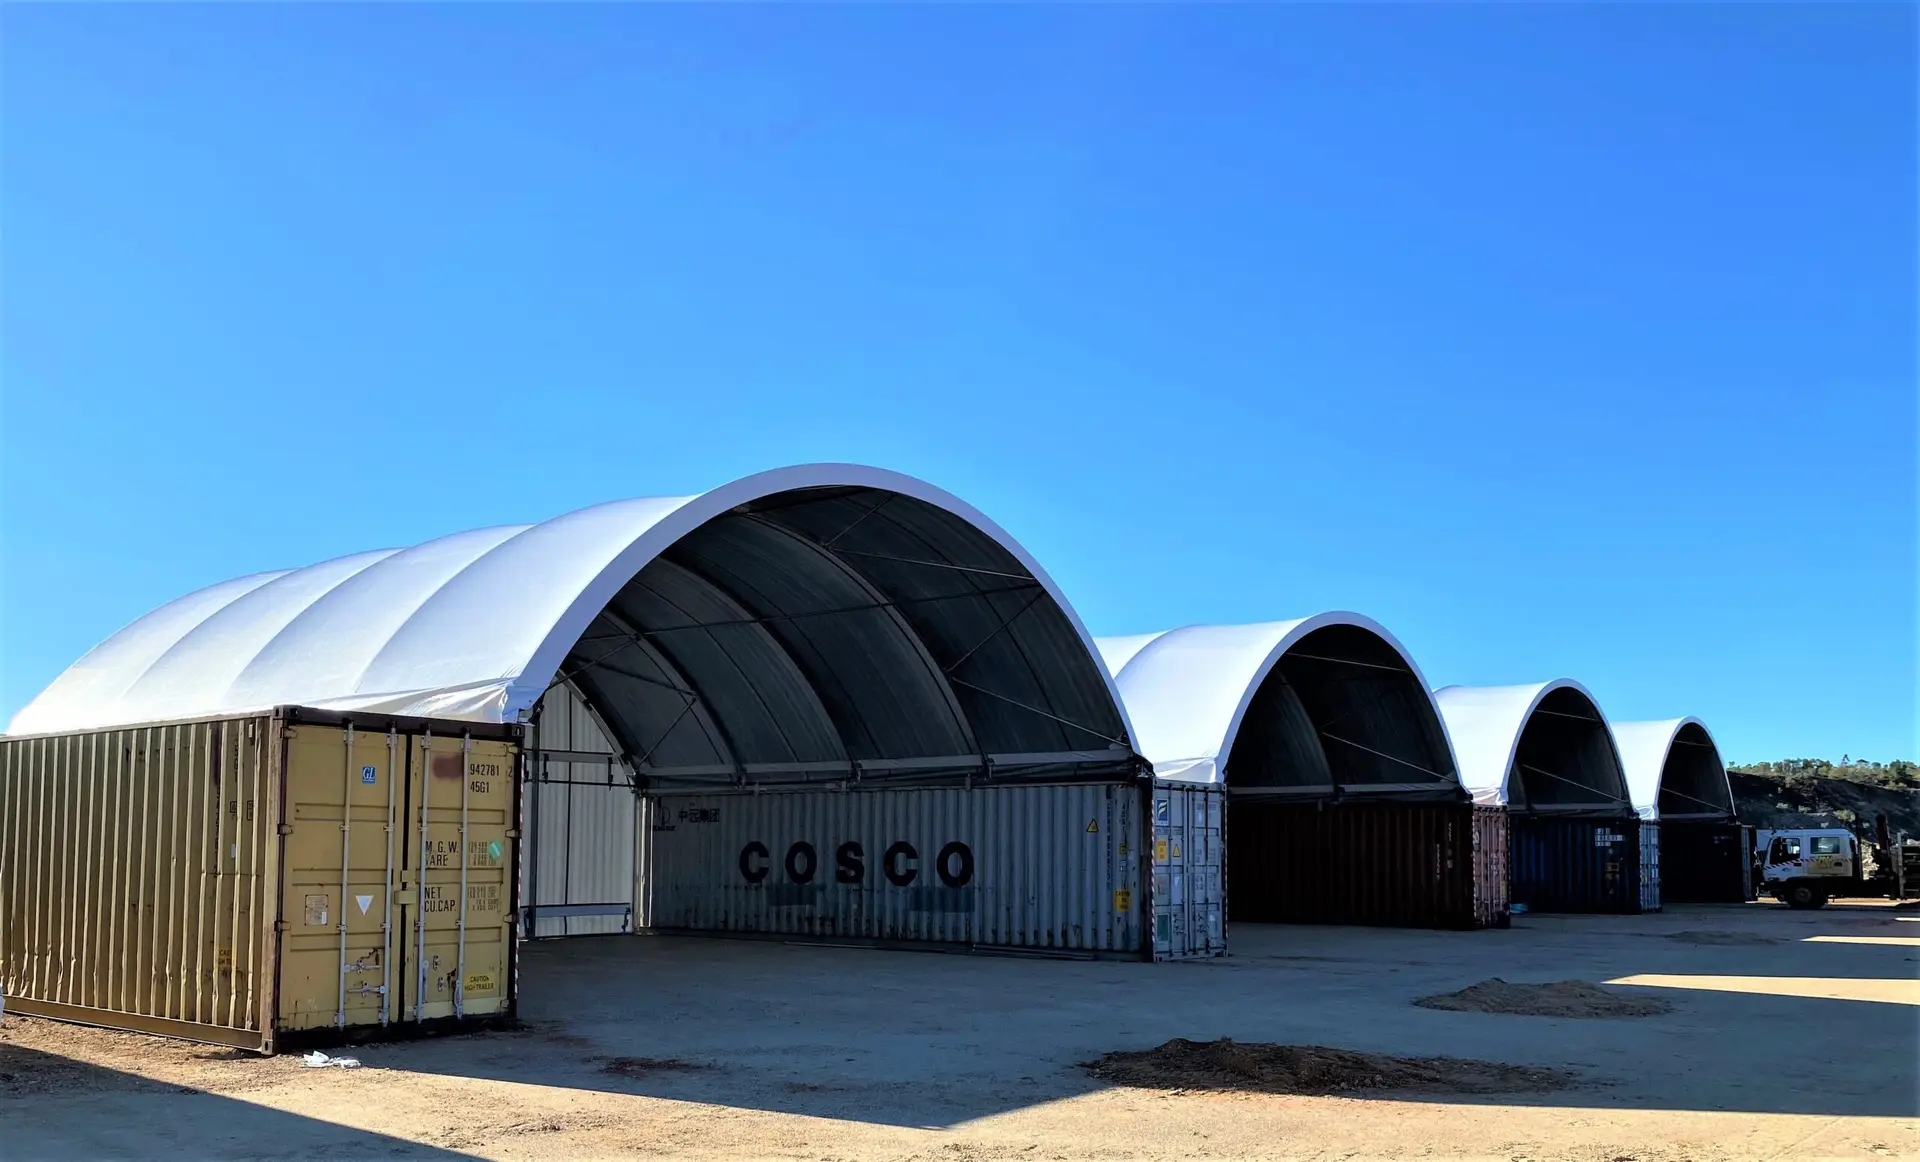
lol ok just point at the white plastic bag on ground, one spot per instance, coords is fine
(319, 1060)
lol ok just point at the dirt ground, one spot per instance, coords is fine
(1791, 1035)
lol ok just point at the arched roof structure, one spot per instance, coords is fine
(821, 621)
(1544, 747)
(1315, 706)
(1674, 770)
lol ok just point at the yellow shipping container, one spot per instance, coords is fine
(233, 879)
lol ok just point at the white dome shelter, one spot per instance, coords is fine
(1543, 748)
(811, 623)
(1674, 770)
(1343, 799)
(827, 701)
(1324, 706)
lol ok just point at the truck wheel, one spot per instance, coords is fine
(1803, 896)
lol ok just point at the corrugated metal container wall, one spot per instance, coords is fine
(1576, 865)
(1054, 868)
(1492, 867)
(1415, 865)
(1649, 866)
(229, 880)
(578, 861)
(1189, 872)
(1705, 863)
(140, 878)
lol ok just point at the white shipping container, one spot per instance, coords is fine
(1189, 879)
(1056, 868)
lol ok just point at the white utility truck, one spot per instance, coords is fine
(1804, 867)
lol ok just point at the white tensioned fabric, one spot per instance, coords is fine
(474, 626)
(1646, 747)
(1486, 722)
(1187, 690)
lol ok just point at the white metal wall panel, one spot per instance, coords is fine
(1189, 878)
(1038, 867)
(1649, 866)
(580, 817)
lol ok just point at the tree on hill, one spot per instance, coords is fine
(1899, 775)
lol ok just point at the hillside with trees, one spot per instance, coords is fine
(1898, 775)
(1820, 793)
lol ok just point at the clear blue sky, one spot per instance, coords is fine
(1563, 340)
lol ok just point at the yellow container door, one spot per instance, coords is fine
(340, 860)
(455, 892)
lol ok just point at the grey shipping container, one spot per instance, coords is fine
(1413, 865)
(237, 880)
(1649, 866)
(1059, 868)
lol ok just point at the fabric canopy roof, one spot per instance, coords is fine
(1551, 735)
(1323, 703)
(798, 621)
(1674, 770)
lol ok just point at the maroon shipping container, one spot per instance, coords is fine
(1405, 865)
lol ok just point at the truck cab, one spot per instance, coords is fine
(1805, 867)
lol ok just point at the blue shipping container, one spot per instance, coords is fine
(1576, 865)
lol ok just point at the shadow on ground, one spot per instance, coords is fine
(930, 1040)
(71, 1109)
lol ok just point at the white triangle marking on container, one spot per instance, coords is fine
(365, 902)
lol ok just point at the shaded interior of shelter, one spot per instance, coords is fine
(1565, 761)
(828, 634)
(1693, 781)
(1340, 783)
(1340, 714)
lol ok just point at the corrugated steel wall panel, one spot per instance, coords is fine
(227, 879)
(1045, 867)
(1649, 866)
(1415, 865)
(137, 876)
(1189, 872)
(1491, 871)
(1705, 863)
(1576, 865)
(580, 823)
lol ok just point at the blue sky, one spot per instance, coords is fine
(1562, 340)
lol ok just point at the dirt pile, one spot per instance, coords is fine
(1565, 998)
(1231, 1065)
(648, 1066)
(1730, 938)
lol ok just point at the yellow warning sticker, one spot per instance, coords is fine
(1093, 826)
(1123, 900)
(1159, 849)
(1176, 851)
(480, 982)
